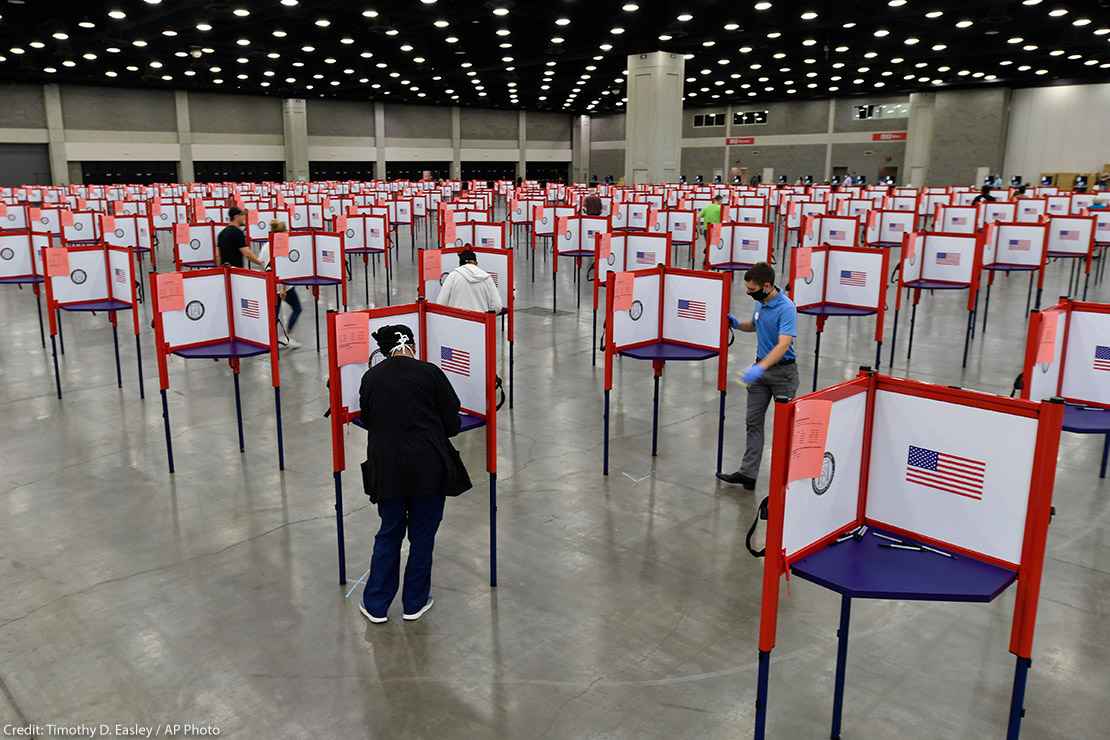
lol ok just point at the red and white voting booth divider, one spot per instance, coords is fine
(576, 238)
(90, 279)
(310, 259)
(735, 247)
(1067, 356)
(885, 228)
(954, 506)
(461, 343)
(194, 245)
(934, 261)
(840, 281)
(219, 313)
(681, 224)
(667, 314)
(21, 264)
(1073, 238)
(1014, 247)
(431, 272)
(369, 236)
(622, 252)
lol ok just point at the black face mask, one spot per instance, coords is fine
(759, 295)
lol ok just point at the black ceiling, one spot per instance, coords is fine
(400, 54)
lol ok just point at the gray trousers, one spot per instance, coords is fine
(779, 381)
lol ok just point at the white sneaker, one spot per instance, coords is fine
(419, 614)
(371, 617)
(292, 344)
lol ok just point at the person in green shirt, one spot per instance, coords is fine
(711, 214)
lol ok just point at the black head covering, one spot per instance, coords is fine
(391, 336)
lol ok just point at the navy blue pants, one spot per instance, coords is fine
(420, 516)
(294, 302)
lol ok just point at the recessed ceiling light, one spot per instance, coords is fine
(896, 3)
(500, 11)
(241, 12)
(630, 7)
(881, 32)
(323, 22)
(606, 47)
(939, 47)
(809, 42)
(169, 33)
(87, 24)
(1102, 31)
(308, 49)
(89, 55)
(37, 45)
(562, 22)
(116, 50)
(61, 36)
(763, 6)
(934, 14)
(911, 41)
(871, 55)
(392, 32)
(616, 31)
(664, 37)
(709, 43)
(117, 15)
(370, 13)
(1030, 47)
(452, 39)
(808, 15)
(110, 73)
(557, 39)
(1081, 22)
(774, 35)
(732, 26)
(243, 42)
(1058, 12)
(289, 3)
(139, 43)
(849, 24)
(280, 34)
(406, 47)
(441, 23)
(49, 70)
(1030, 2)
(204, 27)
(964, 24)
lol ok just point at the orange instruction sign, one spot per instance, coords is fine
(807, 442)
(623, 283)
(107, 223)
(560, 227)
(57, 261)
(909, 246)
(1046, 343)
(803, 261)
(352, 338)
(341, 224)
(449, 230)
(604, 246)
(714, 231)
(65, 218)
(181, 233)
(432, 264)
(171, 291)
(279, 244)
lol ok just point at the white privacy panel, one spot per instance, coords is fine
(1070, 235)
(87, 278)
(641, 322)
(16, 259)
(84, 227)
(614, 261)
(693, 310)
(1030, 210)
(1087, 369)
(955, 473)
(950, 258)
(956, 220)
(120, 275)
(644, 250)
(329, 256)
(816, 507)
(854, 278)
(250, 309)
(809, 288)
(204, 318)
(201, 247)
(351, 375)
(458, 347)
(299, 262)
(1016, 244)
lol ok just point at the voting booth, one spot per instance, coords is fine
(576, 238)
(223, 313)
(461, 343)
(432, 272)
(194, 245)
(840, 281)
(1067, 356)
(934, 261)
(955, 219)
(621, 252)
(666, 314)
(21, 264)
(87, 280)
(1072, 238)
(885, 228)
(369, 236)
(1010, 247)
(735, 247)
(310, 259)
(954, 506)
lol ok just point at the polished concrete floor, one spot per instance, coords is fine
(627, 607)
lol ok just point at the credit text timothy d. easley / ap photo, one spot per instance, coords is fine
(108, 729)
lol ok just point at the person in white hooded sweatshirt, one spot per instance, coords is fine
(470, 287)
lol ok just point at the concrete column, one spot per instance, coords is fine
(828, 143)
(919, 137)
(522, 144)
(56, 131)
(653, 123)
(456, 143)
(726, 171)
(580, 149)
(295, 117)
(185, 170)
(379, 139)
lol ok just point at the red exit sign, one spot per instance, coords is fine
(889, 136)
(733, 140)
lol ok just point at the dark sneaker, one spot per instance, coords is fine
(738, 479)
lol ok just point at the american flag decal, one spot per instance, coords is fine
(486, 241)
(749, 243)
(836, 234)
(691, 309)
(1102, 357)
(959, 220)
(1020, 245)
(962, 476)
(896, 227)
(645, 258)
(249, 308)
(1069, 235)
(948, 258)
(858, 278)
(121, 275)
(327, 256)
(454, 360)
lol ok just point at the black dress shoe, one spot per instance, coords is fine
(739, 479)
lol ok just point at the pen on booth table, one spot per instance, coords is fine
(895, 546)
(888, 539)
(938, 552)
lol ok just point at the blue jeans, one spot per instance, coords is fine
(421, 516)
(294, 302)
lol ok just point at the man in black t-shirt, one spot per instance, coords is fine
(231, 244)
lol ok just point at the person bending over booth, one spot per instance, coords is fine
(774, 373)
(470, 287)
(410, 411)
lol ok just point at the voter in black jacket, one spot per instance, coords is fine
(409, 410)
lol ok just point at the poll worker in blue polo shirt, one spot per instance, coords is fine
(773, 374)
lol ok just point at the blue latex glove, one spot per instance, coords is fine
(752, 374)
(733, 322)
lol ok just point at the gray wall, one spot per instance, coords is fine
(117, 109)
(24, 164)
(230, 114)
(702, 160)
(688, 130)
(488, 124)
(607, 162)
(417, 122)
(867, 159)
(802, 117)
(846, 110)
(547, 126)
(340, 118)
(607, 128)
(792, 160)
(22, 106)
(969, 131)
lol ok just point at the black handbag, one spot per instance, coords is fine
(368, 481)
(458, 479)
